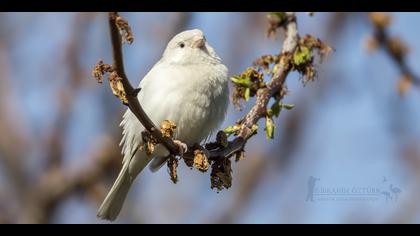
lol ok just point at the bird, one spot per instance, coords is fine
(395, 190)
(188, 86)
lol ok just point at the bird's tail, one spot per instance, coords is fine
(111, 206)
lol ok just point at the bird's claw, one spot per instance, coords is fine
(183, 148)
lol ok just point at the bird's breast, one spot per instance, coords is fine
(195, 98)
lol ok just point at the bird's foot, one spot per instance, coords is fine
(183, 148)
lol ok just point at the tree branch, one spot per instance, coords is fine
(258, 110)
(265, 94)
(295, 55)
(393, 47)
(131, 95)
(58, 183)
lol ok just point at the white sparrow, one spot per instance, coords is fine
(188, 86)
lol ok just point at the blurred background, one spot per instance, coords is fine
(350, 129)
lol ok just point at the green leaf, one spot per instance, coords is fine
(231, 129)
(288, 106)
(280, 15)
(254, 128)
(275, 69)
(276, 108)
(269, 128)
(302, 56)
(241, 81)
(247, 94)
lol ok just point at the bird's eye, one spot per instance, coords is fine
(181, 45)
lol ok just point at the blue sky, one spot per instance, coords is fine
(355, 122)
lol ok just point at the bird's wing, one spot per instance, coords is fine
(150, 97)
(131, 139)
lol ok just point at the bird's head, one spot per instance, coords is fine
(189, 47)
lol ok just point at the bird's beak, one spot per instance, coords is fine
(199, 42)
